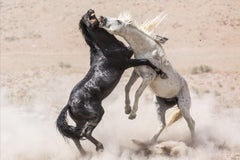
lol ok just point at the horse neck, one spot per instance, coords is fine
(95, 54)
(97, 39)
(103, 39)
(138, 40)
(135, 37)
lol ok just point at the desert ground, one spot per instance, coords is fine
(43, 55)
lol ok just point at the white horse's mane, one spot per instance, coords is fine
(148, 26)
(125, 17)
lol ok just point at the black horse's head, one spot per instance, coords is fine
(87, 24)
(89, 20)
(97, 37)
(94, 35)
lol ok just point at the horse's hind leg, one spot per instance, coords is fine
(184, 104)
(79, 146)
(161, 110)
(91, 125)
(133, 78)
(79, 128)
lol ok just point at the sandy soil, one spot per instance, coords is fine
(43, 55)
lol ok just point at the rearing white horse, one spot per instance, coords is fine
(169, 91)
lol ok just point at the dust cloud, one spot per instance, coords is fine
(28, 129)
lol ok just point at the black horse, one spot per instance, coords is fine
(109, 59)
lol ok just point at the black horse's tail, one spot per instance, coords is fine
(63, 127)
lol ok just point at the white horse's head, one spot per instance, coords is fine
(116, 26)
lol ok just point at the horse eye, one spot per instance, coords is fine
(119, 22)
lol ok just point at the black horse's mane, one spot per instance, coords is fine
(95, 52)
(87, 37)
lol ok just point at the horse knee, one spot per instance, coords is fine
(89, 129)
(88, 133)
(138, 94)
(192, 124)
(127, 88)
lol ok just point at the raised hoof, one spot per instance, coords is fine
(128, 110)
(132, 116)
(100, 148)
(83, 153)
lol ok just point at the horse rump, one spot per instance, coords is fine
(63, 127)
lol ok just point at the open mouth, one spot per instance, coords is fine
(92, 18)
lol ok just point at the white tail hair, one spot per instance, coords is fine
(150, 25)
(175, 116)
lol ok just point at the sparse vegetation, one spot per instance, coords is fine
(12, 38)
(64, 65)
(201, 69)
(34, 36)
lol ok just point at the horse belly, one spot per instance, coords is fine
(166, 88)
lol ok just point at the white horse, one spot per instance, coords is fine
(169, 91)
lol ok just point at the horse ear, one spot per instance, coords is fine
(160, 39)
(130, 22)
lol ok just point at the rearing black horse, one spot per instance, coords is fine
(109, 59)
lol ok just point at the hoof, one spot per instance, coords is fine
(193, 142)
(83, 153)
(132, 116)
(128, 110)
(100, 148)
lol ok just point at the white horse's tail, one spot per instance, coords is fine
(150, 25)
(175, 116)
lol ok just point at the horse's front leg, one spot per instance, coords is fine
(132, 80)
(146, 81)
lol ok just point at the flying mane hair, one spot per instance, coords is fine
(148, 26)
(125, 17)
